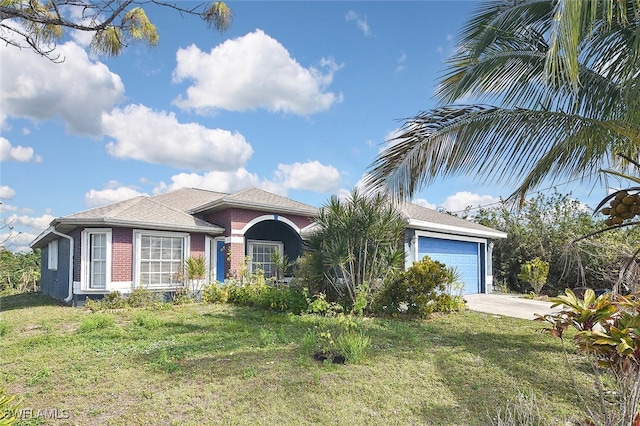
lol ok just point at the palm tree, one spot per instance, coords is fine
(539, 115)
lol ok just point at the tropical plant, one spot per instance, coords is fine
(9, 409)
(38, 25)
(534, 272)
(357, 241)
(281, 265)
(556, 116)
(608, 335)
(195, 270)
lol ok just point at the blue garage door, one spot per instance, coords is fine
(463, 255)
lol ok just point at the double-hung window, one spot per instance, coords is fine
(96, 255)
(160, 258)
(261, 254)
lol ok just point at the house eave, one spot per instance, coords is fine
(454, 230)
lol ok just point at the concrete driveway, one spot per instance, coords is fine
(508, 305)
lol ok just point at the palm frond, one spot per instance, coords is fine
(492, 143)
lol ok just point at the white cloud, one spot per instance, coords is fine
(253, 71)
(6, 193)
(77, 90)
(9, 208)
(33, 223)
(158, 137)
(310, 176)
(96, 198)
(424, 203)
(16, 153)
(228, 182)
(17, 242)
(463, 199)
(361, 23)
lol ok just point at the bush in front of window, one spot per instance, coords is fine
(215, 293)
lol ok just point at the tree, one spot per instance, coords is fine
(114, 24)
(19, 272)
(551, 227)
(553, 118)
(358, 243)
(535, 273)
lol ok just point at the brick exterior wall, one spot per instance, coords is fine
(197, 245)
(235, 220)
(122, 254)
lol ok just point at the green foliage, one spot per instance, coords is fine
(113, 28)
(145, 320)
(19, 272)
(320, 305)
(182, 296)
(113, 300)
(9, 408)
(5, 328)
(96, 321)
(608, 335)
(255, 292)
(142, 297)
(215, 293)
(501, 100)
(545, 227)
(353, 346)
(416, 289)
(138, 298)
(356, 241)
(534, 272)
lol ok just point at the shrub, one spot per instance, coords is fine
(142, 297)
(183, 295)
(415, 290)
(215, 293)
(283, 299)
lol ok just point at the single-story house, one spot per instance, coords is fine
(142, 242)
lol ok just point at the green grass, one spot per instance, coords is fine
(217, 364)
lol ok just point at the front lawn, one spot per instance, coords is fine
(219, 364)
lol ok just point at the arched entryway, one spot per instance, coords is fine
(264, 238)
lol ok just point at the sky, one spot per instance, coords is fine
(296, 98)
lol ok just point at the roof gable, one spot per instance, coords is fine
(258, 199)
(423, 218)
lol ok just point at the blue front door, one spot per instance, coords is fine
(220, 259)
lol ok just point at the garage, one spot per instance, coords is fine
(465, 256)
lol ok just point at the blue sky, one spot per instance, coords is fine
(296, 98)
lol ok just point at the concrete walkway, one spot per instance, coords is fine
(508, 305)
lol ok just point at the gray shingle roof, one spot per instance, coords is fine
(140, 211)
(257, 199)
(427, 219)
(188, 199)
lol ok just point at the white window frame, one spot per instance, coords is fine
(52, 255)
(137, 250)
(252, 243)
(85, 274)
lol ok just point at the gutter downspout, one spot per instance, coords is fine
(70, 296)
